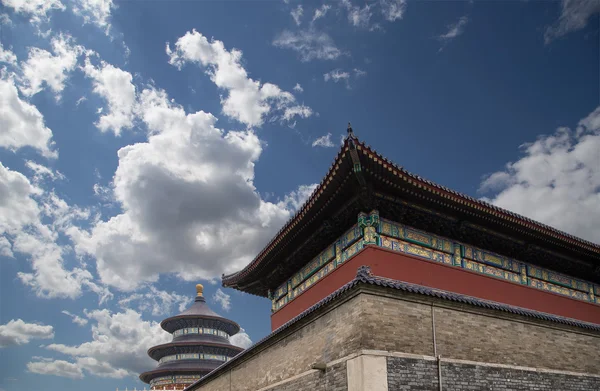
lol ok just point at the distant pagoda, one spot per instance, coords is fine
(200, 344)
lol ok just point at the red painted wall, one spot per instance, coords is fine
(403, 267)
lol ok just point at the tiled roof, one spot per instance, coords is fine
(364, 276)
(422, 184)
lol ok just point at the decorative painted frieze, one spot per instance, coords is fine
(373, 230)
(557, 278)
(413, 249)
(561, 290)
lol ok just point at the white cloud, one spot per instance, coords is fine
(186, 195)
(309, 44)
(223, 299)
(358, 17)
(5, 20)
(22, 209)
(339, 75)
(393, 10)
(557, 181)
(321, 12)
(80, 100)
(43, 68)
(455, 29)
(323, 141)
(359, 72)
(38, 9)
(336, 76)
(297, 14)
(47, 366)
(7, 56)
(41, 172)
(294, 200)
(248, 101)
(156, 301)
(5, 248)
(76, 318)
(21, 123)
(298, 88)
(574, 16)
(95, 11)
(17, 332)
(301, 111)
(116, 87)
(241, 339)
(119, 344)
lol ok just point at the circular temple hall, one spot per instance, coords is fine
(200, 344)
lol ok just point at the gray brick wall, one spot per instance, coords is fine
(420, 375)
(333, 380)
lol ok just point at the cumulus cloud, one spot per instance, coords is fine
(323, 141)
(76, 318)
(241, 339)
(22, 209)
(248, 101)
(41, 172)
(556, 181)
(7, 56)
(119, 345)
(48, 366)
(309, 44)
(222, 299)
(296, 14)
(186, 194)
(574, 16)
(156, 301)
(38, 10)
(21, 122)
(44, 68)
(115, 86)
(294, 200)
(95, 11)
(298, 88)
(17, 332)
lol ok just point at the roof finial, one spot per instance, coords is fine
(350, 133)
(199, 289)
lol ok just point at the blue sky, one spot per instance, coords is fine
(148, 146)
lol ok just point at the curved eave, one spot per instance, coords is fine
(198, 369)
(159, 351)
(173, 323)
(422, 188)
(293, 222)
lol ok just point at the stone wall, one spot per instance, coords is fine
(406, 374)
(334, 379)
(395, 323)
(464, 332)
(329, 337)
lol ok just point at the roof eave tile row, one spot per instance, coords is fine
(420, 183)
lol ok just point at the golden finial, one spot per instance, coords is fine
(199, 289)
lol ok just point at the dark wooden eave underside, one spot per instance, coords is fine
(342, 194)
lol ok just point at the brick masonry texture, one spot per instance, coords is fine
(334, 379)
(331, 336)
(394, 325)
(382, 319)
(420, 375)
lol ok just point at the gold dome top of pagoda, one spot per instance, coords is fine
(199, 289)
